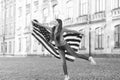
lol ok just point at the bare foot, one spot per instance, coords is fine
(92, 61)
(67, 77)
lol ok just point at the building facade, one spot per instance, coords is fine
(26, 11)
(15, 27)
(99, 20)
(7, 27)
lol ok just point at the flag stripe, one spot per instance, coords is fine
(49, 47)
(73, 40)
(73, 44)
(43, 36)
(44, 44)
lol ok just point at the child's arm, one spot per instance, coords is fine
(47, 27)
(73, 31)
(68, 30)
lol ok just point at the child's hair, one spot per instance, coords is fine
(60, 25)
(34, 23)
(35, 20)
(59, 29)
(52, 34)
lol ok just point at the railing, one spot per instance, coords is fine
(116, 13)
(68, 21)
(98, 16)
(45, 0)
(82, 19)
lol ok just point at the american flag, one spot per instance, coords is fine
(43, 36)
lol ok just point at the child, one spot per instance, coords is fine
(62, 46)
(57, 36)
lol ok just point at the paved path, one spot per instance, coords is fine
(42, 68)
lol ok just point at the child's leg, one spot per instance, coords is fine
(62, 54)
(72, 52)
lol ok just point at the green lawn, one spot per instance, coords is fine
(47, 68)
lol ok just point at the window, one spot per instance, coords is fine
(13, 47)
(108, 41)
(5, 47)
(1, 47)
(117, 36)
(99, 38)
(6, 29)
(35, 46)
(19, 44)
(99, 5)
(116, 3)
(1, 30)
(7, 12)
(43, 49)
(56, 11)
(10, 28)
(12, 10)
(27, 44)
(28, 17)
(45, 12)
(28, 21)
(36, 5)
(10, 47)
(27, 9)
(83, 7)
(19, 11)
(69, 9)
(82, 44)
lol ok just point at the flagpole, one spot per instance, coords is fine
(51, 11)
(4, 28)
(89, 28)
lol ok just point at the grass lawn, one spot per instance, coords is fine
(48, 68)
